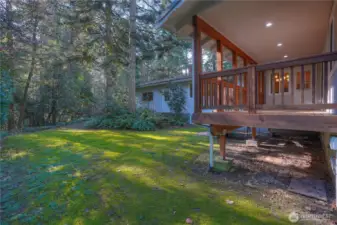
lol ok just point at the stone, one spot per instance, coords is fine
(229, 202)
(308, 187)
(189, 221)
(221, 165)
(251, 143)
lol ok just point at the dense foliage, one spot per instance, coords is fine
(68, 59)
(142, 120)
(176, 98)
(6, 90)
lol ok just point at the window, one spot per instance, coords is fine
(191, 91)
(166, 94)
(307, 80)
(227, 58)
(276, 83)
(147, 96)
(331, 39)
(331, 36)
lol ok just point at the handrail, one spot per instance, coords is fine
(298, 107)
(217, 93)
(229, 72)
(332, 56)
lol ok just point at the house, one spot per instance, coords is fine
(274, 64)
(152, 95)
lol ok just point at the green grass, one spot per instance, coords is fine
(115, 177)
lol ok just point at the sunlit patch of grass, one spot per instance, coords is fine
(153, 136)
(116, 177)
(55, 168)
(13, 155)
(111, 155)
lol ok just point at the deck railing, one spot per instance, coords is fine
(245, 89)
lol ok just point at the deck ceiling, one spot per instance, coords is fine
(301, 26)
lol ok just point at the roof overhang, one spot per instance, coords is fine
(301, 26)
(164, 82)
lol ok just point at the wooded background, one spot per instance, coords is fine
(65, 59)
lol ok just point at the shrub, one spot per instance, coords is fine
(176, 98)
(124, 121)
(178, 120)
(106, 123)
(3, 134)
(142, 120)
(93, 122)
(143, 125)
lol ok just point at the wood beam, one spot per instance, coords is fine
(218, 130)
(216, 35)
(197, 64)
(254, 133)
(313, 88)
(200, 7)
(252, 89)
(235, 65)
(222, 145)
(292, 85)
(319, 123)
(327, 57)
(245, 63)
(299, 107)
(219, 60)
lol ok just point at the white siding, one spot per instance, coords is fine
(159, 104)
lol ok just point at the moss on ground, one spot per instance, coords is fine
(115, 177)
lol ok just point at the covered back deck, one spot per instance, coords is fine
(286, 94)
(261, 63)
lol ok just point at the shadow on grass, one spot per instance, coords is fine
(112, 177)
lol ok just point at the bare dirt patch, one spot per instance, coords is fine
(266, 171)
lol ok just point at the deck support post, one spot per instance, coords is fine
(222, 144)
(211, 160)
(254, 133)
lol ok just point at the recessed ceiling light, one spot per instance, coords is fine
(269, 24)
(285, 56)
(279, 44)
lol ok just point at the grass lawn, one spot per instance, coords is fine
(115, 177)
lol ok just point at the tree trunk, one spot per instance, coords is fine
(108, 41)
(108, 87)
(54, 112)
(30, 75)
(42, 92)
(10, 64)
(132, 63)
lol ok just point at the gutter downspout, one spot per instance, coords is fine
(210, 149)
(333, 146)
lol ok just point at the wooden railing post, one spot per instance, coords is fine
(219, 60)
(235, 78)
(251, 90)
(197, 69)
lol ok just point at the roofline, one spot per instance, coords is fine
(164, 81)
(164, 16)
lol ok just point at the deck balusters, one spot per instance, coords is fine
(313, 91)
